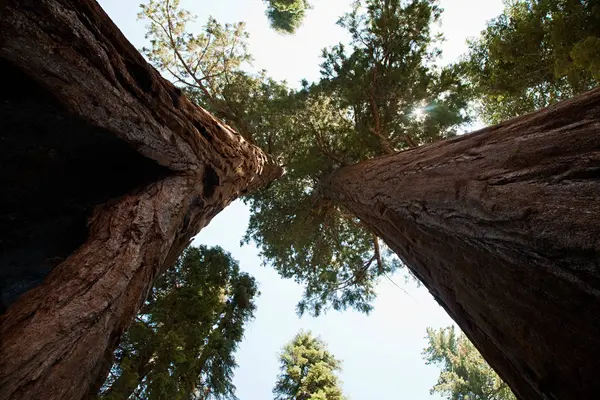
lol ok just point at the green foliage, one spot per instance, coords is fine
(208, 67)
(380, 95)
(538, 52)
(388, 79)
(310, 242)
(307, 371)
(286, 16)
(383, 93)
(182, 342)
(206, 64)
(465, 373)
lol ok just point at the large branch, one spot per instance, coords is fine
(87, 84)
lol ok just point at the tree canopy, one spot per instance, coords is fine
(307, 371)
(534, 54)
(465, 374)
(182, 343)
(382, 92)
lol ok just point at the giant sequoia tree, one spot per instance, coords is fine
(107, 172)
(499, 225)
(496, 224)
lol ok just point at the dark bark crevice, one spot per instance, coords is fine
(55, 169)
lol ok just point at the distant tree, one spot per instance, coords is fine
(536, 53)
(307, 371)
(286, 16)
(182, 342)
(465, 374)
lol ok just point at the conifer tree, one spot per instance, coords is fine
(182, 343)
(308, 371)
(534, 54)
(465, 374)
(286, 16)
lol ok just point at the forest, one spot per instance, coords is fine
(115, 157)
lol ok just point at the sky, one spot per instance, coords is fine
(381, 353)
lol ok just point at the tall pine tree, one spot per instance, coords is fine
(181, 344)
(308, 371)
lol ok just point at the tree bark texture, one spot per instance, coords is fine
(503, 227)
(137, 166)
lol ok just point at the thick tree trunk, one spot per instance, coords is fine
(118, 171)
(503, 227)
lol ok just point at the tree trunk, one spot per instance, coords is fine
(502, 226)
(107, 173)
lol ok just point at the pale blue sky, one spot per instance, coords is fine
(381, 352)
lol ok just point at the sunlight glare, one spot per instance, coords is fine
(419, 113)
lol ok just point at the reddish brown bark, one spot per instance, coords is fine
(502, 226)
(84, 81)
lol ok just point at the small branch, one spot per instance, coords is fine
(169, 33)
(383, 141)
(410, 141)
(325, 149)
(180, 79)
(380, 268)
(203, 52)
(398, 286)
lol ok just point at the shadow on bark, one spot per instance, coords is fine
(55, 169)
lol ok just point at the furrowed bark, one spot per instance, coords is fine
(502, 226)
(79, 101)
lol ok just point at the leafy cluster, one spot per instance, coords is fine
(388, 79)
(536, 53)
(465, 374)
(286, 16)
(206, 64)
(307, 371)
(182, 342)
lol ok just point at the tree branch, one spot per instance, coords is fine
(384, 142)
(380, 268)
